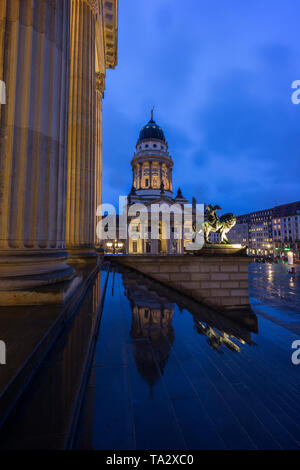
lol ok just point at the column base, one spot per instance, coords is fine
(29, 269)
(56, 294)
(82, 255)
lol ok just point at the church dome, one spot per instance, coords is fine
(152, 131)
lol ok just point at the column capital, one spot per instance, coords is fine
(95, 5)
(100, 83)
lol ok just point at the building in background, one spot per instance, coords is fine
(152, 185)
(239, 234)
(286, 228)
(269, 232)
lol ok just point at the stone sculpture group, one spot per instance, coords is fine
(214, 223)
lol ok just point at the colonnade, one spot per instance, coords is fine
(51, 56)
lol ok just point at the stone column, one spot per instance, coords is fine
(170, 179)
(160, 174)
(151, 174)
(34, 58)
(140, 176)
(80, 209)
(100, 85)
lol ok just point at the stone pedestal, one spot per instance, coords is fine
(216, 279)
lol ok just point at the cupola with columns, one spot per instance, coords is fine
(152, 164)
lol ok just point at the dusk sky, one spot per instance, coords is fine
(219, 74)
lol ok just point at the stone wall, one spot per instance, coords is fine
(218, 281)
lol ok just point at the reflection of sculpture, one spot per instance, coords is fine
(214, 223)
(215, 339)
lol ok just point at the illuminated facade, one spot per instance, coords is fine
(286, 228)
(152, 164)
(152, 185)
(270, 231)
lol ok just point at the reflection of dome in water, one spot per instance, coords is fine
(151, 331)
(151, 364)
(156, 326)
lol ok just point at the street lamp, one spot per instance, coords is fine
(115, 246)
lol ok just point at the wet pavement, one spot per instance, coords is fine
(275, 294)
(167, 375)
(42, 418)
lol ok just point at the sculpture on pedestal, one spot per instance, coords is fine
(221, 225)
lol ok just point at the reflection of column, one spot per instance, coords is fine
(100, 83)
(80, 210)
(34, 64)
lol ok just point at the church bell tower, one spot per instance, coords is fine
(152, 164)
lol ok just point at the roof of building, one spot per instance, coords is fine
(287, 210)
(152, 131)
(283, 210)
(179, 196)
